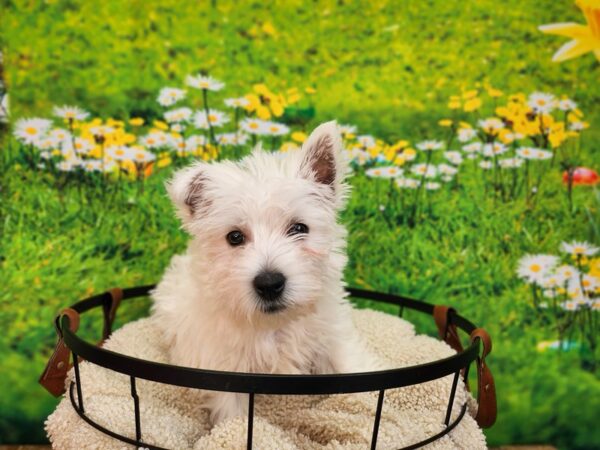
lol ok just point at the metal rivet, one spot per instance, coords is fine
(487, 387)
(60, 365)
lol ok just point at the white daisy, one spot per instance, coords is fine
(590, 283)
(168, 96)
(178, 127)
(491, 126)
(432, 186)
(466, 134)
(566, 273)
(195, 142)
(495, 149)
(216, 119)
(345, 130)
(178, 115)
(48, 143)
(576, 248)
(232, 138)
(83, 145)
(542, 154)
(454, 157)
(276, 129)
(96, 165)
(119, 152)
(510, 163)
(254, 126)
(446, 169)
(569, 306)
(155, 139)
(240, 102)
(407, 183)
(474, 147)
(141, 156)
(68, 165)
(511, 137)
(535, 268)
(567, 104)
(28, 131)
(366, 141)
(359, 156)
(486, 165)
(428, 146)
(447, 178)
(541, 102)
(60, 134)
(577, 126)
(426, 170)
(70, 113)
(204, 82)
(384, 172)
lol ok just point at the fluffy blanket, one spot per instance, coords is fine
(171, 416)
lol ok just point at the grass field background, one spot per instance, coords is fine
(389, 68)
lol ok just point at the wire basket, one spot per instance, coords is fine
(448, 322)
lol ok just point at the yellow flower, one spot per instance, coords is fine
(160, 125)
(310, 90)
(470, 94)
(454, 104)
(269, 29)
(472, 104)
(262, 112)
(409, 154)
(399, 160)
(585, 38)
(163, 162)
(445, 123)
(299, 136)
(136, 122)
(494, 92)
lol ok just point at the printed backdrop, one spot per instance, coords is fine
(472, 129)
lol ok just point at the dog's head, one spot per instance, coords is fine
(265, 235)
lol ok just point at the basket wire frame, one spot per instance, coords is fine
(428, 372)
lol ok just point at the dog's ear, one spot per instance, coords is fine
(186, 191)
(323, 159)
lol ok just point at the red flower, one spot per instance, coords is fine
(582, 175)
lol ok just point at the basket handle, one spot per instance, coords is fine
(446, 329)
(486, 389)
(109, 308)
(55, 372)
(486, 392)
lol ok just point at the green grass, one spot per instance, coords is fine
(389, 68)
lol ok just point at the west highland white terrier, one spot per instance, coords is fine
(260, 287)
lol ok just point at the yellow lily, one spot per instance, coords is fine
(586, 38)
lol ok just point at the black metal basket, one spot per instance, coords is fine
(447, 320)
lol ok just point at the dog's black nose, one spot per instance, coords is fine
(269, 285)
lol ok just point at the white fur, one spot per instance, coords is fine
(206, 305)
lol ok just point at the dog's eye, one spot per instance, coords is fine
(297, 228)
(235, 237)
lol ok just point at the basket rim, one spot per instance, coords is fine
(275, 384)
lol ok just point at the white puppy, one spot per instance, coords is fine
(260, 288)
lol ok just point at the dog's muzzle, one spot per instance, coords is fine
(269, 286)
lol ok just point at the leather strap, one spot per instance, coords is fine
(55, 373)
(486, 392)
(446, 329)
(110, 311)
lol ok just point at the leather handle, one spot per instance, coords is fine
(110, 306)
(486, 389)
(446, 329)
(55, 372)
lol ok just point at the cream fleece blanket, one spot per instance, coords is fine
(171, 417)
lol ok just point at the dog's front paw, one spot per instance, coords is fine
(225, 405)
